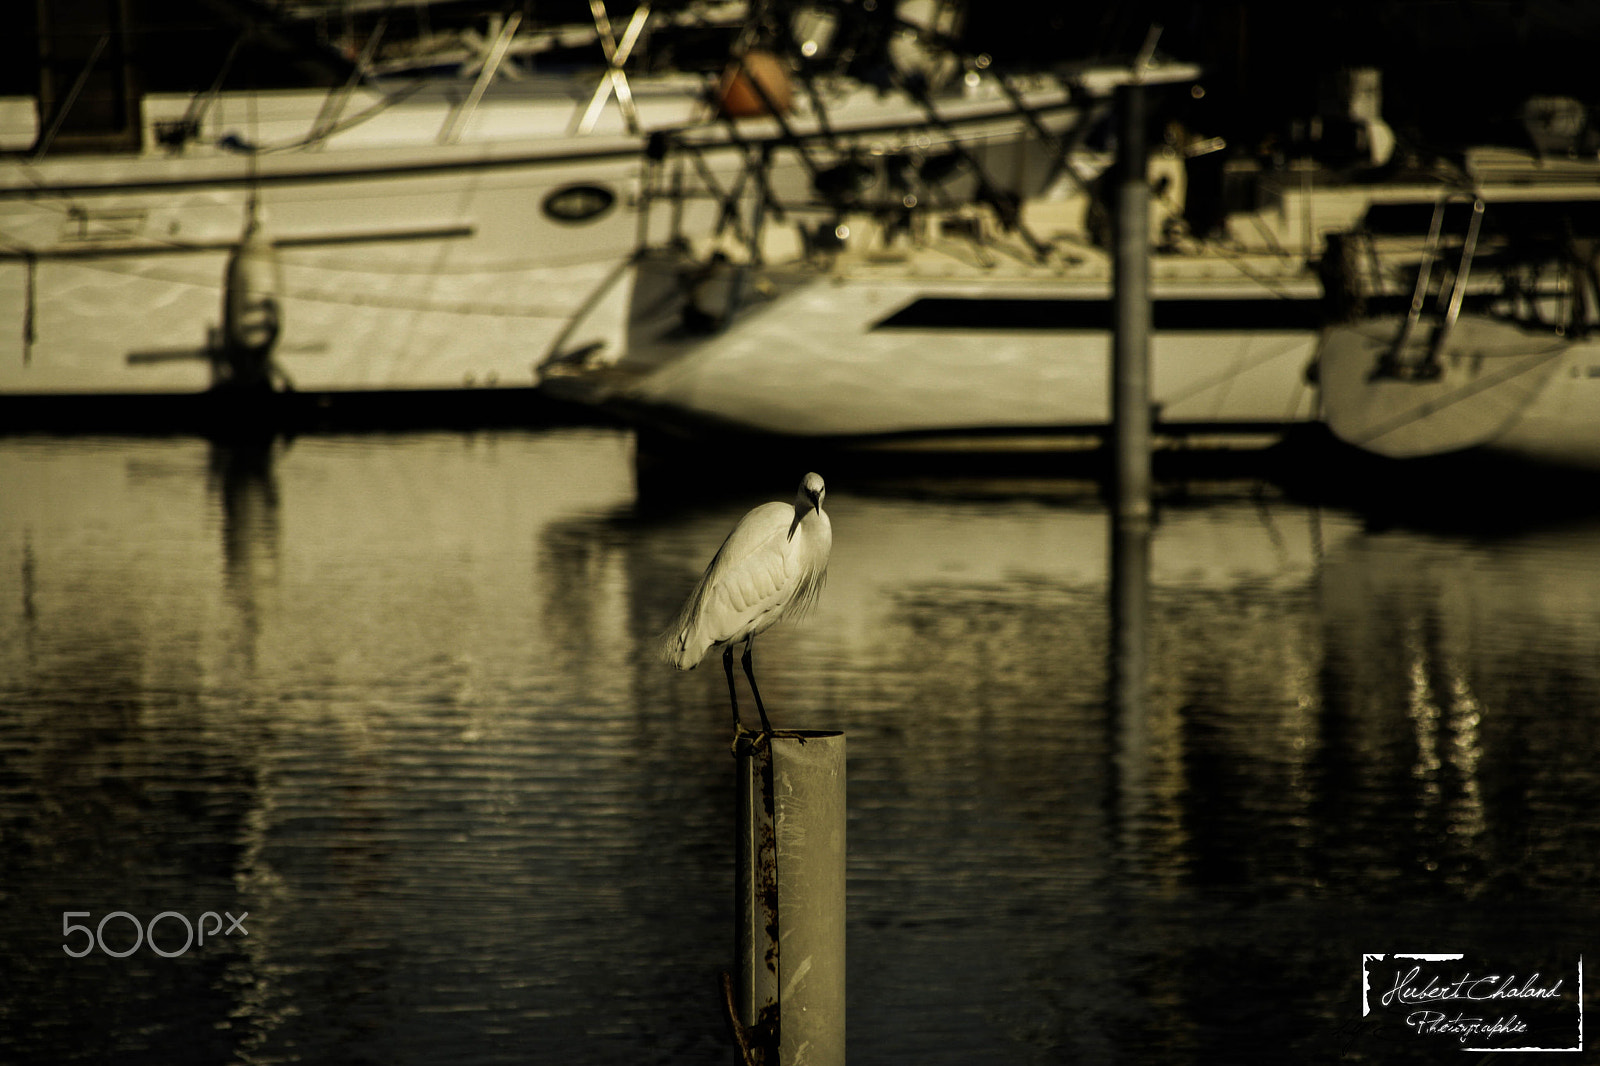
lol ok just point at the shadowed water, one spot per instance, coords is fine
(394, 697)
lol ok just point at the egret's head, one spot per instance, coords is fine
(812, 490)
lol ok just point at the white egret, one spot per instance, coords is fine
(770, 568)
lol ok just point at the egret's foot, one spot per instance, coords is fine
(749, 739)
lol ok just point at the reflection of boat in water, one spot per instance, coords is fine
(1462, 664)
(1345, 725)
(192, 197)
(1495, 349)
(962, 632)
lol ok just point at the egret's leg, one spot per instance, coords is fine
(733, 695)
(766, 726)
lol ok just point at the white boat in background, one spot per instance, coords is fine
(1496, 349)
(902, 321)
(1524, 392)
(327, 230)
(910, 323)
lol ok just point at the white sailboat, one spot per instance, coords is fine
(1496, 348)
(429, 233)
(910, 323)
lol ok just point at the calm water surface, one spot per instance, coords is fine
(393, 696)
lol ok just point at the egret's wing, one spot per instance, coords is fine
(752, 573)
(746, 578)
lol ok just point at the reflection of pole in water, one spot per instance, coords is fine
(1130, 612)
(1129, 672)
(30, 610)
(242, 477)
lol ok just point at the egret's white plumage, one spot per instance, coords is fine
(771, 567)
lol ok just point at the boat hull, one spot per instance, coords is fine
(844, 356)
(1507, 388)
(387, 275)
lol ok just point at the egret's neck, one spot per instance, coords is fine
(800, 512)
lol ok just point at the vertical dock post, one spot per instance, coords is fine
(788, 987)
(1130, 286)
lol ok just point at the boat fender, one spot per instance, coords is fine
(251, 314)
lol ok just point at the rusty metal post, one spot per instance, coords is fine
(789, 986)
